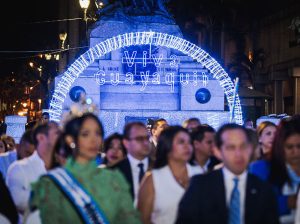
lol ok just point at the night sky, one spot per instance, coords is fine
(21, 30)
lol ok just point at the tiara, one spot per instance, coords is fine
(83, 106)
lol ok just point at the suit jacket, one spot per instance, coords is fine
(213, 162)
(205, 201)
(7, 206)
(125, 168)
(153, 151)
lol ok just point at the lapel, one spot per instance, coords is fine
(151, 164)
(220, 195)
(213, 162)
(250, 200)
(153, 152)
(126, 168)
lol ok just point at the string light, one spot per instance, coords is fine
(143, 38)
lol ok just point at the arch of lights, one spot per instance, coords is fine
(143, 38)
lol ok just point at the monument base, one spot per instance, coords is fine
(115, 120)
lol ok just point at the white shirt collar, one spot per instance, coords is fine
(204, 168)
(134, 162)
(35, 157)
(228, 175)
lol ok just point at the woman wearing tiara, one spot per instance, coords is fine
(80, 192)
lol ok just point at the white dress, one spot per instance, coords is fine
(168, 193)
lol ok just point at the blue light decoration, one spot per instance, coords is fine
(76, 92)
(202, 95)
(137, 68)
(143, 38)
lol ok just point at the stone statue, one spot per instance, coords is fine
(135, 7)
(161, 7)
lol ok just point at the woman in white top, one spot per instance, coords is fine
(161, 190)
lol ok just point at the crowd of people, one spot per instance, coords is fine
(159, 174)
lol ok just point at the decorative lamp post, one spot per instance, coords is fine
(40, 103)
(48, 57)
(62, 38)
(84, 4)
(99, 4)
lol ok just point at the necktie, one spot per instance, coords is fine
(142, 172)
(234, 206)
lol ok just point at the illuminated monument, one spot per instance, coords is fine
(138, 67)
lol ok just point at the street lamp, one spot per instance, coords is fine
(34, 66)
(84, 4)
(40, 103)
(99, 4)
(62, 38)
(48, 57)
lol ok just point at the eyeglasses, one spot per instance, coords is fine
(140, 138)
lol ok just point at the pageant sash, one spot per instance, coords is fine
(86, 207)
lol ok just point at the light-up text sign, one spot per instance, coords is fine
(148, 68)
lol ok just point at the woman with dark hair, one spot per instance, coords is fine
(3, 146)
(62, 151)
(80, 192)
(163, 187)
(114, 150)
(282, 170)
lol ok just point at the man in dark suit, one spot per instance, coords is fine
(229, 195)
(136, 142)
(203, 142)
(157, 127)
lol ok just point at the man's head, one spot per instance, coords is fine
(45, 117)
(248, 123)
(203, 140)
(136, 140)
(26, 147)
(191, 123)
(233, 142)
(157, 127)
(10, 142)
(45, 136)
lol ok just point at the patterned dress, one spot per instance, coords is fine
(108, 188)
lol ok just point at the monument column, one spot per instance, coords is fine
(296, 76)
(15, 126)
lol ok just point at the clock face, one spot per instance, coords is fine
(203, 95)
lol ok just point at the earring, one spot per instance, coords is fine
(72, 145)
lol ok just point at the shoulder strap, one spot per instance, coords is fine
(83, 202)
